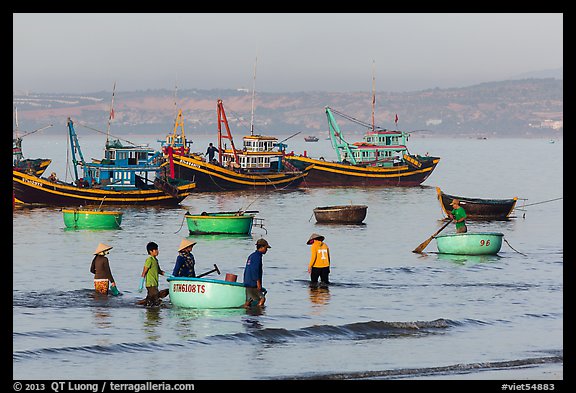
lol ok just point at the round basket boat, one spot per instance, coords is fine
(479, 243)
(345, 214)
(220, 223)
(91, 219)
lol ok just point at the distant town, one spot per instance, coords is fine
(514, 108)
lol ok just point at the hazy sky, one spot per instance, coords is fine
(77, 53)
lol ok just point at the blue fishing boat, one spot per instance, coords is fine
(126, 175)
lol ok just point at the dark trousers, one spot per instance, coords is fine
(321, 272)
(153, 297)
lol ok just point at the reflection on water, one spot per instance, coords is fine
(468, 259)
(319, 297)
(152, 323)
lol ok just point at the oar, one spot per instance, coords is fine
(424, 244)
(211, 271)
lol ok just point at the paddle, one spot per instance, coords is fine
(424, 244)
(211, 271)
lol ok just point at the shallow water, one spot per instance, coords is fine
(389, 313)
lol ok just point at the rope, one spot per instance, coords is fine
(537, 203)
(513, 247)
(182, 223)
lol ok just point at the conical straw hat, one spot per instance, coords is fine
(185, 243)
(102, 247)
(315, 236)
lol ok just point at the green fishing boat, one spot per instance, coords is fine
(479, 243)
(91, 219)
(230, 223)
(196, 292)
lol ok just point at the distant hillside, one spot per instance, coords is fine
(525, 107)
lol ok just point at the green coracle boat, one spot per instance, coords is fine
(195, 292)
(479, 243)
(92, 219)
(231, 223)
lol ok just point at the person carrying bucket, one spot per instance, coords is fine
(101, 269)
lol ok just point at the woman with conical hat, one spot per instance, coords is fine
(101, 269)
(319, 266)
(185, 262)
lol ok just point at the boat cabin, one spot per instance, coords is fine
(123, 167)
(379, 148)
(257, 155)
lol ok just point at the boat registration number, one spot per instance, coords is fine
(192, 288)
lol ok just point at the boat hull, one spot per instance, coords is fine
(91, 219)
(478, 209)
(347, 214)
(210, 177)
(191, 292)
(35, 190)
(479, 243)
(224, 223)
(326, 173)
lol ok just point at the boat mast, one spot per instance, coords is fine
(373, 94)
(222, 119)
(75, 148)
(253, 98)
(111, 116)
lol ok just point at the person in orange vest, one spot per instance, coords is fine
(319, 266)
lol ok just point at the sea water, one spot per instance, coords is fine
(389, 313)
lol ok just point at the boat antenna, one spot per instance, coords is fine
(373, 93)
(111, 114)
(253, 97)
(16, 119)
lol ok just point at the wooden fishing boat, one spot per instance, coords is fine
(195, 292)
(92, 219)
(31, 166)
(127, 175)
(479, 243)
(230, 223)
(380, 159)
(258, 165)
(477, 208)
(345, 214)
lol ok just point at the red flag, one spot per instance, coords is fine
(396, 120)
(111, 113)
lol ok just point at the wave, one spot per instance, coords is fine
(352, 331)
(433, 371)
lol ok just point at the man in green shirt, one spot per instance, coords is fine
(458, 214)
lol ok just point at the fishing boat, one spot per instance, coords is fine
(380, 159)
(477, 208)
(196, 292)
(258, 165)
(311, 138)
(222, 223)
(345, 214)
(31, 166)
(127, 175)
(479, 243)
(92, 219)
